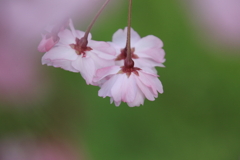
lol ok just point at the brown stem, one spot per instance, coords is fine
(128, 45)
(94, 20)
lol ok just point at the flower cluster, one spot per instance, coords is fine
(123, 72)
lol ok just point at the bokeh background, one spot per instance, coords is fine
(47, 113)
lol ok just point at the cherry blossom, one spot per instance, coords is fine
(128, 85)
(134, 77)
(146, 51)
(75, 53)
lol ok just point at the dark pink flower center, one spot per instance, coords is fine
(123, 54)
(129, 70)
(81, 46)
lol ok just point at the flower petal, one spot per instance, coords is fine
(139, 99)
(104, 72)
(46, 44)
(151, 81)
(146, 62)
(116, 89)
(120, 37)
(148, 42)
(101, 62)
(106, 87)
(146, 90)
(86, 67)
(103, 47)
(66, 37)
(60, 57)
(129, 88)
(156, 54)
(60, 52)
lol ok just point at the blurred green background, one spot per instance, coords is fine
(196, 118)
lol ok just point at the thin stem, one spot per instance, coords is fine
(128, 45)
(94, 20)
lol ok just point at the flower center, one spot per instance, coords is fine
(123, 54)
(129, 70)
(81, 46)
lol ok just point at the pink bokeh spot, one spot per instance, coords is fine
(217, 19)
(30, 148)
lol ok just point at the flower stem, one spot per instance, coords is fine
(128, 45)
(94, 20)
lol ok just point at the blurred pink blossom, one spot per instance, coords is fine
(28, 18)
(20, 77)
(219, 19)
(27, 148)
(50, 38)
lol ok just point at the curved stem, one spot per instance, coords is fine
(128, 45)
(94, 20)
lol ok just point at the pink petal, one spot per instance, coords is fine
(151, 81)
(156, 54)
(103, 72)
(66, 37)
(103, 47)
(117, 103)
(46, 44)
(146, 62)
(148, 42)
(101, 62)
(116, 89)
(146, 80)
(64, 64)
(129, 88)
(158, 85)
(120, 37)
(60, 57)
(106, 87)
(145, 90)
(139, 99)
(149, 70)
(86, 67)
(71, 26)
(63, 53)
(103, 55)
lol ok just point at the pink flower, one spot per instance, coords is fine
(146, 51)
(51, 37)
(128, 85)
(70, 55)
